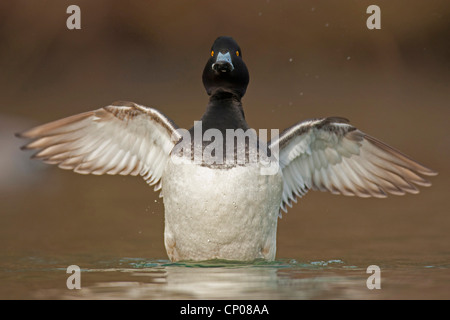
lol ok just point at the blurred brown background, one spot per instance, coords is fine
(306, 59)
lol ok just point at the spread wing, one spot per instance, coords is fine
(123, 138)
(331, 155)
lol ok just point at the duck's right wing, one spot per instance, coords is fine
(123, 138)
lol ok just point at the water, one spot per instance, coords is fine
(138, 278)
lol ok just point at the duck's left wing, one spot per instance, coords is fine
(329, 154)
(123, 138)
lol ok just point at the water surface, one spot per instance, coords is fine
(136, 278)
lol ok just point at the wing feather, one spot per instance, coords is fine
(331, 155)
(123, 138)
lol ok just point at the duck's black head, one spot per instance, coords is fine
(225, 70)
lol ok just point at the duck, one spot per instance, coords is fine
(224, 202)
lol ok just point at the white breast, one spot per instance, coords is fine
(220, 213)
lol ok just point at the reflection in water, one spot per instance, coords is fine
(160, 280)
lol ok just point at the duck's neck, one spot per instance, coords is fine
(224, 111)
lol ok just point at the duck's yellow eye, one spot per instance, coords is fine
(212, 53)
(237, 53)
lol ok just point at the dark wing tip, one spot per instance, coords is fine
(18, 135)
(23, 134)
